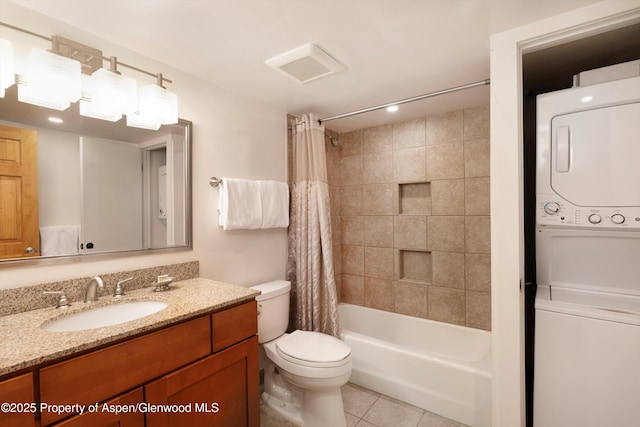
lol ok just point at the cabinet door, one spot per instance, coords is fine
(220, 390)
(18, 393)
(122, 411)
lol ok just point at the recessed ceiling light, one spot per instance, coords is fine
(392, 108)
(56, 120)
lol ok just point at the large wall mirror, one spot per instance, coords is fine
(102, 188)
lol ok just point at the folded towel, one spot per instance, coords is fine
(275, 204)
(59, 240)
(239, 204)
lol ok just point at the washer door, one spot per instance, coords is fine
(595, 156)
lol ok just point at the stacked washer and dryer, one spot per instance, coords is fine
(587, 331)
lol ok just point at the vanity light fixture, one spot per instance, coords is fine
(52, 81)
(110, 94)
(7, 73)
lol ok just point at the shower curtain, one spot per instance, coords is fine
(314, 302)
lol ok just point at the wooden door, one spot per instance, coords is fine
(19, 232)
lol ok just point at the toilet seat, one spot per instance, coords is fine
(313, 349)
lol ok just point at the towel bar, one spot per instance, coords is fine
(214, 182)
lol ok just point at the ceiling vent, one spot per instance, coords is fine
(305, 63)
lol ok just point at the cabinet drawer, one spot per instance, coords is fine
(102, 374)
(234, 325)
(110, 417)
(18, 391)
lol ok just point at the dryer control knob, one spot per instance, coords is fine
(551, 208)
(595, 219)
(617, 218)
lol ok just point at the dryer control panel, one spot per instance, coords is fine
(557, 212)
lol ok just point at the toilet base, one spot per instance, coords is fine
(303, 407)
(313, 411)
(288, 410)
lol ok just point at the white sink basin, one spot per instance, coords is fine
(104, 316)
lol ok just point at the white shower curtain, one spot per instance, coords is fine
(310, 264)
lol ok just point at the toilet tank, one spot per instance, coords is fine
(273, 309)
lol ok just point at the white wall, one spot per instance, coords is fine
(232, 136)
(506, 186)
(59, 191)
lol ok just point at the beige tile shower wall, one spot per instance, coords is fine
(410, 210)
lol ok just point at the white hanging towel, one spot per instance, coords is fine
(59, 240)
(275, 204)
(239, 204)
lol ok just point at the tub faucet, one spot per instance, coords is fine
(91, 293)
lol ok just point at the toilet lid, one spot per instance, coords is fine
(313, 349)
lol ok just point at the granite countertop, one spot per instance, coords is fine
(24, 344)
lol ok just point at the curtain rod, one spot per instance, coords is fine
(104, 58)
(404, 101)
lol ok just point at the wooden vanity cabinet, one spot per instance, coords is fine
(208, 364)
(18, 392)
(108, 372)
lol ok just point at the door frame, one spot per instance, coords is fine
(507, 193)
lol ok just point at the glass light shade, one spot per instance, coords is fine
(156, 101)
(138, 120)
(52, 81)
(7, 72)
(112, 95)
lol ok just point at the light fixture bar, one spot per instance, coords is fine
(89, 58)
(22, 30)
(131, 67)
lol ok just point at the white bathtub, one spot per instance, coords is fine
(436, 366)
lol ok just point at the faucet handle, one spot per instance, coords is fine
(119, 292)
(62, 302)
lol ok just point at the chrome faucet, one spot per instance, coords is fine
(91, 294)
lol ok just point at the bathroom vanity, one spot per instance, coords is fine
(193, 363)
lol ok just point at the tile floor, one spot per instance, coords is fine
(366, 408)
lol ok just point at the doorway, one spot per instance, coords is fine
(543, 71)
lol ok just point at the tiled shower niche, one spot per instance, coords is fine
(414, 266)
(414, 203)
(414, 198)
(410, 217)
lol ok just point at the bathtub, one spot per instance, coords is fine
(443, 368)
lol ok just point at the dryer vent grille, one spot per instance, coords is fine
(305, 64)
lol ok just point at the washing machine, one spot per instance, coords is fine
(587, 327)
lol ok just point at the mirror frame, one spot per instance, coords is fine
(103, 256)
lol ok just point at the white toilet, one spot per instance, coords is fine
(303, 371)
